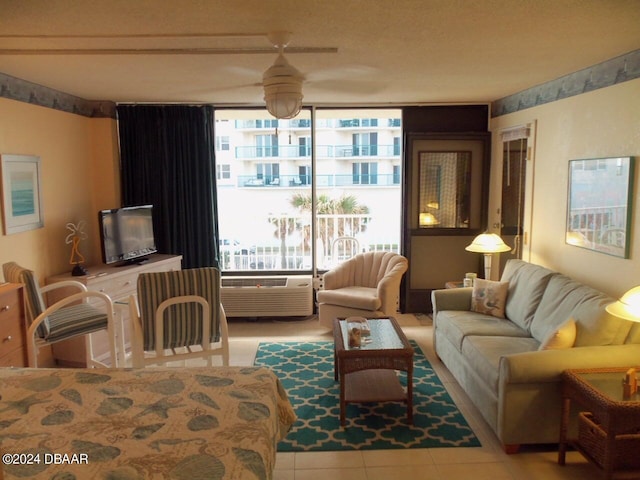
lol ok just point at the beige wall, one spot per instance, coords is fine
(79, 170)
(602, 123)
(80, 176)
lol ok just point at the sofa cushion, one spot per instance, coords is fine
(364, 298)
(485, 352)
(456, 325)
(559, 300)
(596, 326)
(489, 297)
(634, 333)
(564, 336)
(527, 283)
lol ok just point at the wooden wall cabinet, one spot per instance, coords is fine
(119, 282)
(436, 248)
(13, 349)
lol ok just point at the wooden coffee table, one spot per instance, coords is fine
(368, 374)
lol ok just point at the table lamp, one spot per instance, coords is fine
(628, 307)
(487, 244)
(427, 219)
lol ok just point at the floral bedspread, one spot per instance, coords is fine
(154, 423)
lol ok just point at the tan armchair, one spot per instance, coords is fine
(366, 285)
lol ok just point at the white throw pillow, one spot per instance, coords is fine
(562, 337)
(489, 297)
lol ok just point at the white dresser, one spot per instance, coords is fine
(119, 282)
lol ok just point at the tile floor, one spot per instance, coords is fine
(486, 462)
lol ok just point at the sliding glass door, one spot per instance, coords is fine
(303, 194)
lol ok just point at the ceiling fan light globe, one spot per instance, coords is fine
(284, 102)
(283, 89)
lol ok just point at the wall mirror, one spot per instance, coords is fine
(599, 206)
(444, 189)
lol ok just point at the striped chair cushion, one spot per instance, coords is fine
(182, 324)
(14, 273)
(75, 320)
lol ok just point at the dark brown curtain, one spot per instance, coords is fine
(168, 160)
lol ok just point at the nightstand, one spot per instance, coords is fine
(13, 351)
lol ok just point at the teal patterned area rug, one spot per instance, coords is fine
(306, 372)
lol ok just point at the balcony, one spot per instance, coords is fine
(270, 124)
(322, 151)
(359, 123)
(330, 180)
(358, 151)
(292, 253)
(599, 225)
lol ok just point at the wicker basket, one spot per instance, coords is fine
(592, 438)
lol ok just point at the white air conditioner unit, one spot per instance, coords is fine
(267, 296)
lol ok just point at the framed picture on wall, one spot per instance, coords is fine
(599, 206)
(21, 195)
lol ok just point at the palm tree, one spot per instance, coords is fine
(344, 205)
(285, 226)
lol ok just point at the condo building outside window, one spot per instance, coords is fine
(268, 171)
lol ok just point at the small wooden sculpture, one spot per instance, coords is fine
(76, 258)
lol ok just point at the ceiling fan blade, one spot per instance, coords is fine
(224, 88)
(157, 51)
(349, 86)
(15, 44)
(350, 79)
(160, 51)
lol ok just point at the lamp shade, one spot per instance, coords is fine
(427, 219)
(628, 307)
(487, 243)
(283, 89)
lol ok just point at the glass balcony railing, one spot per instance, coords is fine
(257, 124)
(322, 151)
(321, 123)
(273, 180)
(331, 180)
(382, 180)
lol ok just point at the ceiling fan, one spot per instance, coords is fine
(282, 82)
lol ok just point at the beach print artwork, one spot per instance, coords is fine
(22, 197)
(21, 193)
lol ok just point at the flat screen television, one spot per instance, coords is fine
(126, 234)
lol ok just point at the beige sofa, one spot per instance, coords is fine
(366, 285)
(498, 363)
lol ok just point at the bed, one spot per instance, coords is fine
(161, 423)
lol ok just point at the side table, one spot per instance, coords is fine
(609, 428)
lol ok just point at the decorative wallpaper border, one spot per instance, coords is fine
(616, 70)
(610, 72)
(28, 92)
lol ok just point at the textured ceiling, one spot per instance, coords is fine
(388, 51)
